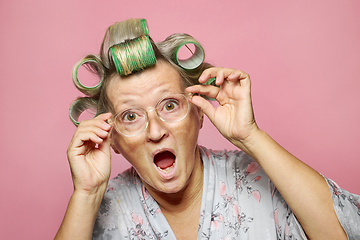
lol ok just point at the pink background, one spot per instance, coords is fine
(303, 58)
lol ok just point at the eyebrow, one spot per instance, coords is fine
(134, 101)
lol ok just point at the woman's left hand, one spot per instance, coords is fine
(305, 191)
(234, 117)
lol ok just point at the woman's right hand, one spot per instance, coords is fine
(89, 155)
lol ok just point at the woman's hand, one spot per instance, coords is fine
(305, 191)
(234, 116)
(89, 158)
(89, 155)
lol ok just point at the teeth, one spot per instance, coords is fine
(166, 169)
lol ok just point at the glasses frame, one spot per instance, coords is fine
(185, 95)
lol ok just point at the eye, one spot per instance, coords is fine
(129, 116)
(170, 105)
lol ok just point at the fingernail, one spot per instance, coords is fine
(202, 77)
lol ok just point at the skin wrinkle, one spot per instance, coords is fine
(179, 192)
(148, 88)
(120, 100)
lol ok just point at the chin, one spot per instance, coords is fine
(170, 187)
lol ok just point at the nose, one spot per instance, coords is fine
(156, 129)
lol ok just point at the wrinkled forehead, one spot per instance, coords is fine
(147, 85)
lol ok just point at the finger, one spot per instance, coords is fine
(239, 76)
(204, 105)
(83, 143)
(222, 74)
(105, 146)
(90, 133)
(219, 73)
(95, 130)
(207, 90)
(93, 136)
(101, 122)
(104, 116)
(207, 74)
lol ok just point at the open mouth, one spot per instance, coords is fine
(164, 161)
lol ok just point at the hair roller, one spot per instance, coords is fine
(94, 65)
(79, 106)
(172, 44)
(144, 26)
(133, 55)
(121, 32)
(195, 60)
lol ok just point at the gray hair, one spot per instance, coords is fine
(103, 65)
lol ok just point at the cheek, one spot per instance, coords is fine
(128, 147)
(190, 127)
(196, 118)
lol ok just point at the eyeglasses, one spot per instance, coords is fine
(171, 108)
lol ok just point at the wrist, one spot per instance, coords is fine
(80, 215)
(95, 195)
(251, 141)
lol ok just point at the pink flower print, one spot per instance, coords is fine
(145, 193)
(227, 199)
(222, 189)
(215, 220)
(276, 217)
(287, 229)
(278, 228)
(158, 211)
(137, 219)
(236, 210)
(256, 195)
(256, 179)
(208, 154)
(253, 168)
(241, 217)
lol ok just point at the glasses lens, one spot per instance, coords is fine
(173, 108)
(131, 122)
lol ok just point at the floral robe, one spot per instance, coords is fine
(239, 202)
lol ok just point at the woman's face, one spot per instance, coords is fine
(164, 154)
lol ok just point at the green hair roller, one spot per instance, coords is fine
(133, 55)
(89, 90)
(79, 106)
(195, 60)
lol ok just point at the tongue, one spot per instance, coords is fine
(164, 159)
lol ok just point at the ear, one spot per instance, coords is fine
(112, 144)
(114, 148)
(201, 118)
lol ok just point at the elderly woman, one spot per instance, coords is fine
(150, 108)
